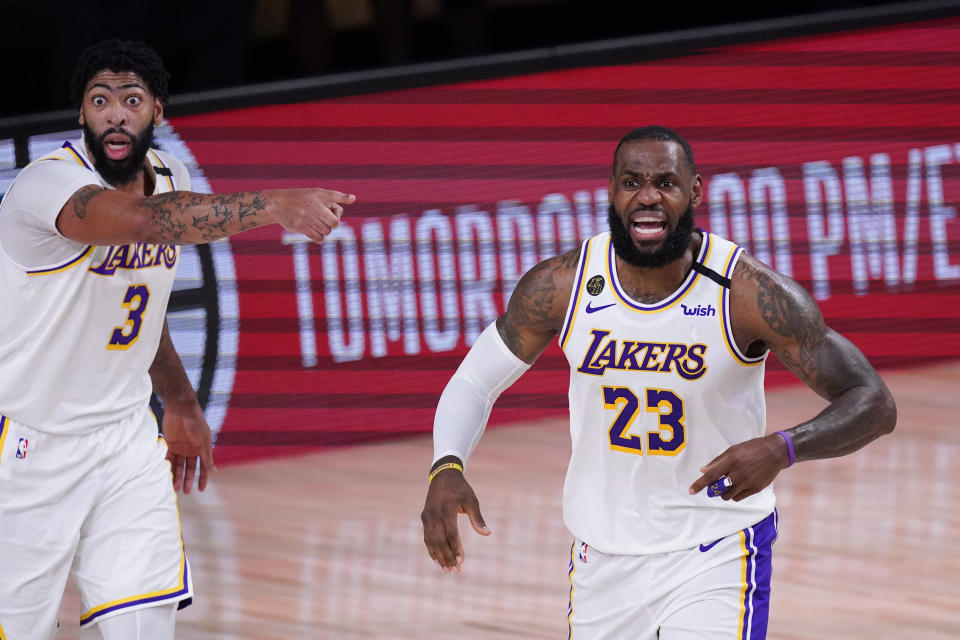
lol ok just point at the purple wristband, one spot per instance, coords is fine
(793, 454)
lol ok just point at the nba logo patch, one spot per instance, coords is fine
(22, 448)
(583, 552)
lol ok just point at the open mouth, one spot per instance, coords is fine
(646, 227)
(117, 146)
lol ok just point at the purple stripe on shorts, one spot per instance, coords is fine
(760, 539)
(142, 601)
(750, 587)
(570, 601)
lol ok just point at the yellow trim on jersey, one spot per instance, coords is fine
(4, 430)
(576, 294)
(746, 585)
(53, 156)
(725, 312)
(2, 637)
(64, 267)
(76, 156)
(163, 164)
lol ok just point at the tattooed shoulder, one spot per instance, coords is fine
(784, 305)
(82, 198)
(790, 313)
(538, 303)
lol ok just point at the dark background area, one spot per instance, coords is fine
(223, 43)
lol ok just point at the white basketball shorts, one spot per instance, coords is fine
(719, 590)
(100, 506)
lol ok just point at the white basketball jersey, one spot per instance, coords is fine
(656, 392)
(77, 333)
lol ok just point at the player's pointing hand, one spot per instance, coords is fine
(313, 212)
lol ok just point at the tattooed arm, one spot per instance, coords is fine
(770, 311)
(533, 317)
(94, 215)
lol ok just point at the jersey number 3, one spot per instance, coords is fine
(670, 437)
(135, 301)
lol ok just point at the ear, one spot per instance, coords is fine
(157, 111)
(696, 193)
(610, 187)
(80, 119)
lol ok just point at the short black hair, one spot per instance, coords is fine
(120, 55)
(656, 132)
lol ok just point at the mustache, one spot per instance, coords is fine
(113, 130)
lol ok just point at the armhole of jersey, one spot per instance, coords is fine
(57, 268)
(728, 339)
(571, 314)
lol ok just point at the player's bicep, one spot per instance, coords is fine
(535, 313)
(94, 215)
(786, 318)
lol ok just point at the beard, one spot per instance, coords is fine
(119, 172)
(674, 247)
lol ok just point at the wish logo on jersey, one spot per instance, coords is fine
(138, 255)
(699, 310)
(631, 355)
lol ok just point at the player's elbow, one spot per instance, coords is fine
(885, 411)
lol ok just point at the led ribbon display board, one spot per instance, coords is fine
(835, 159)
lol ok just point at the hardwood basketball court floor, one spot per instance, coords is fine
(329, 545)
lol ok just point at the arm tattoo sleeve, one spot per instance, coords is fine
(173, 217)
(792, 314)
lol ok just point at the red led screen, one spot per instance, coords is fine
(836, 159)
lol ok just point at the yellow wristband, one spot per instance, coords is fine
(444, 467)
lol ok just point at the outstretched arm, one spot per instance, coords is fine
(772, 311)
(500, 355)
(185, 429)
(94, 215)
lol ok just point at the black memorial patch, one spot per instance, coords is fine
(595, 285)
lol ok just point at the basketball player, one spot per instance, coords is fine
(89, 241)
(666, 329)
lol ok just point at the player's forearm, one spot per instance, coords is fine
(183, 217)
(488, 369)
(169, 378)
(98, 216)
(854, 419)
